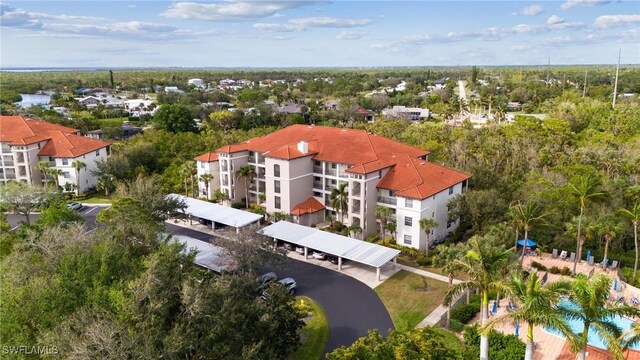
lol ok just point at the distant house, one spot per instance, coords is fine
(366, 115)
(331, 104)
(227, 82)
(199, 83)
(290, 108)
(90, 101)
(172, 89)
(402, 112)
(440, 84)
(513, 106)
(126, 131)
(139, 107)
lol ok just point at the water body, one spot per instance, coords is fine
(33, 99)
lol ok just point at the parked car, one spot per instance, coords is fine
(74, 206)
(204, 221)
(334, 259)
(300, 250)
(319, 255)
(289, 284)
(288, 246)
(264, 280)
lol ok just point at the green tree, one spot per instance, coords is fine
(633, 215)
(525, 217)
(340, 200)
(188, 171)
(78, 165)
(107, 183)
(206, 179)
(537, 306)
(588, 305)
(23, 198)
(609, 227)
(383, 213)
(445, 259)
(148, 191)
(44, 167)
(58, 214)
(484, 263)
(55, 173)
(174, 118)
(391, 227)
(246, 174)
(585, 188)
(427, 224)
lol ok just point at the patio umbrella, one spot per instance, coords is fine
(495, 307)
(615, 284)
(517, 329)
(588, 254)
(527, 243)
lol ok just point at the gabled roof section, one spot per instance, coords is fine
(419, 179)
(208, 157)
(18, 130)
(70, 146)
(310, 206)
(290, 151)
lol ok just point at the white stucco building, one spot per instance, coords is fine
(298, 167)
(25, 143)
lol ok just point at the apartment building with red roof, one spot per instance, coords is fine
(298, 167)
(26, 142)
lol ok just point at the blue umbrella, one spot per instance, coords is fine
(517, 329)
(528, 242)
(495, 307)
(588, 254)
(615, 284)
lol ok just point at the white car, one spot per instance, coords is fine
(319, 255)
(74, 206)
(300, 250)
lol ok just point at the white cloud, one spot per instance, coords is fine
(606, 21)
(230, 10)
(301, 24)
(570, 4)
(350, 35)
(131, 6)
(554, 20)
(530, 10)
(14, 17)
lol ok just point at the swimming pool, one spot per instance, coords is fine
(593, 339)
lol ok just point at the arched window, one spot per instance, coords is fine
(276, 170)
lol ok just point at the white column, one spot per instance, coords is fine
(395, 261)
(190, 223)
(339, 263)
(378, 273)
(305, 253)
(237, 230)
(213, 226)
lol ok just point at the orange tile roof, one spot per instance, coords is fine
(290, 151)
(419, 179)
(596, 353)
(62, 141)
(208, 157)
(309, 206)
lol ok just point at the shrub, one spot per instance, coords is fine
(456, 326)
(554, 270)
(313, 225)
(423, 261)
(465, 313)
(565, 271)
(501, 347)
(238, 205)
(537, 265)
(409, 251)
(373, 238)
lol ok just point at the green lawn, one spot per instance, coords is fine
(450, 339)
(315, 333)
(405, 300)
(97, 198)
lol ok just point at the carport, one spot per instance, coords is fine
(217, 213)
(208, 256)
(333, 244)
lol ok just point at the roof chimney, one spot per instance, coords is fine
(303, 147)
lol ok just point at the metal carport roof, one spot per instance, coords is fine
(209, 256)
(218, 213)
(330, 243)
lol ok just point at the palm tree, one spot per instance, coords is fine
(538, 306)
(585, 189)
(445, 259)
(355, 230)
(340, 200)
(634, 216)
(44, 167)
(427, 224)
(631, 337)
(247, 174)
(484, 263)
(609, 227)
(392, 226)
(588, 300)
(383, 213)
(525, 217)
(54, 174)
(78, 165)
(206, 179)
(107, 183)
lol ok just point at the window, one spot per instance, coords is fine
(66, 175)
(276, 186)
(407, 239)
(451, 190)
(65, 162)
(201, 165)
(334, 165)
(390, 192)
(277, 202)
(433, 214)
(318, 163)
(317, 194)
(98, 152)
(408, 203)
(51, 158)
(408, 220)
(276, 170)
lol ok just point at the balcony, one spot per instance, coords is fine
(387, 200)
(344, 174)
(317, 169)
(356, 190)
(225, 183)
(329, 187)
(260, 159)
(317, 185)
(330, 172)
(8, 163)
(224, 169)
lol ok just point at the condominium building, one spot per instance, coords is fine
(25, 143)
(298, 167)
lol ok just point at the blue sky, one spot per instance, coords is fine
(317, 33)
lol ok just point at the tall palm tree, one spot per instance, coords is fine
(631, 337)
(445, 259)
(55, 173)
(483, 263)
(609, 227)
(427, 224)
(588, 304)
(78, 165)
(186, 173)
(537, 306)
(206, 179)
(383, 213)
(634, 216)
(247, 174)
(107, 183)
(340, 200)
(44, 167)
(525, 216)
(585, 189)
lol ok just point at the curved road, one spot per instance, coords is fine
(352, 307)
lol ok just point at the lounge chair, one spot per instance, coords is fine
(591, 260)
(554, 254)
(634, 301)
(614, 265)
(563, 255)
(572, 257)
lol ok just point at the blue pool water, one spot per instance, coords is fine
(593, 339)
